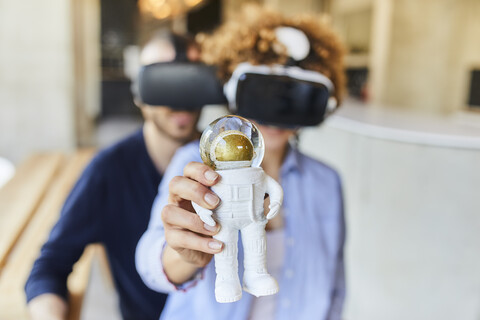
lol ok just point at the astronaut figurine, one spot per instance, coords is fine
(234, 147)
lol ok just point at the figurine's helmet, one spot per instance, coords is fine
(231, 142)
(232, 149)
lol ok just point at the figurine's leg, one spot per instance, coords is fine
(227, 284)
(256, 279)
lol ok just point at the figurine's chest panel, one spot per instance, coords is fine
(234, 193)
(241, 192)
(236, 200)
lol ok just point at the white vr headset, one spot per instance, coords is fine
(280, 95)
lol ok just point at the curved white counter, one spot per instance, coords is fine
(412, 190)
(407, 126)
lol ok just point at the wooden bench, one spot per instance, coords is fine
(30, 204)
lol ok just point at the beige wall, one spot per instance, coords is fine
(49, 75)
(354, 26)
(299, 6)
(285, 6)
(466, 51)
(420, 52)
(87, 57)
(421, 45)
(434, 44)
(36, 77)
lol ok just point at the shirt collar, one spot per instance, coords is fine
(292, 161)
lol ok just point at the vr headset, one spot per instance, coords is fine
(285, 96)
(179, 85)
(277, 95)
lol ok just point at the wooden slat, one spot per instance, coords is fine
(20, 197)
(19, 264)
(79, 279)
(106, 271)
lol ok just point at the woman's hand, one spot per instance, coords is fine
(189, 240)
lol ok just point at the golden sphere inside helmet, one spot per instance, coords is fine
(234, 146)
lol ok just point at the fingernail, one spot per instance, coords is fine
(211, 175)
(211, 199)
(215, 245)
(210, 228)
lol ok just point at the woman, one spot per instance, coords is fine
(305, 241)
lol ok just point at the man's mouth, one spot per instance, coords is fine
(182, 119)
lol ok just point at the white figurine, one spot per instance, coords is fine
(234, 147)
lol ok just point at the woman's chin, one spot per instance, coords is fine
(276, 139)
(275, 144)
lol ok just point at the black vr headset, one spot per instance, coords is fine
(278, 95)
(179, 85)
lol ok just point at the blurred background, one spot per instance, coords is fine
(406, 141)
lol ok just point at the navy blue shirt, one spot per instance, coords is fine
(110, 204)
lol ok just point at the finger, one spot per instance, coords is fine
(180, 218)
(201, 172)
(182, 239)
(188, 189)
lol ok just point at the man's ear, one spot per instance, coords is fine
(138, 102)
(143, 108)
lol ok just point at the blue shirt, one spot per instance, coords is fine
(110, 204)
(312, 284)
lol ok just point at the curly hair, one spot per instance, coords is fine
(250, 37)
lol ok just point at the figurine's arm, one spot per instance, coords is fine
(275, 192)
(204, 214)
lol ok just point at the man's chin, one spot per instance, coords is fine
(180, 134)
(183, 136)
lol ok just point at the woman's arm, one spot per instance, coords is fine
(177, 244)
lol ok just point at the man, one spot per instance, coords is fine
(111, 204)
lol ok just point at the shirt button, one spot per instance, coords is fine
(289, 273)
(286, 303)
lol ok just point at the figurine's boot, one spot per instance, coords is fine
(227, 284)
(256, 279)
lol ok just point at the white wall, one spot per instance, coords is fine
(36, 77)
(413, 220)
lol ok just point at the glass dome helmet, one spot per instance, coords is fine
(232, 142)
